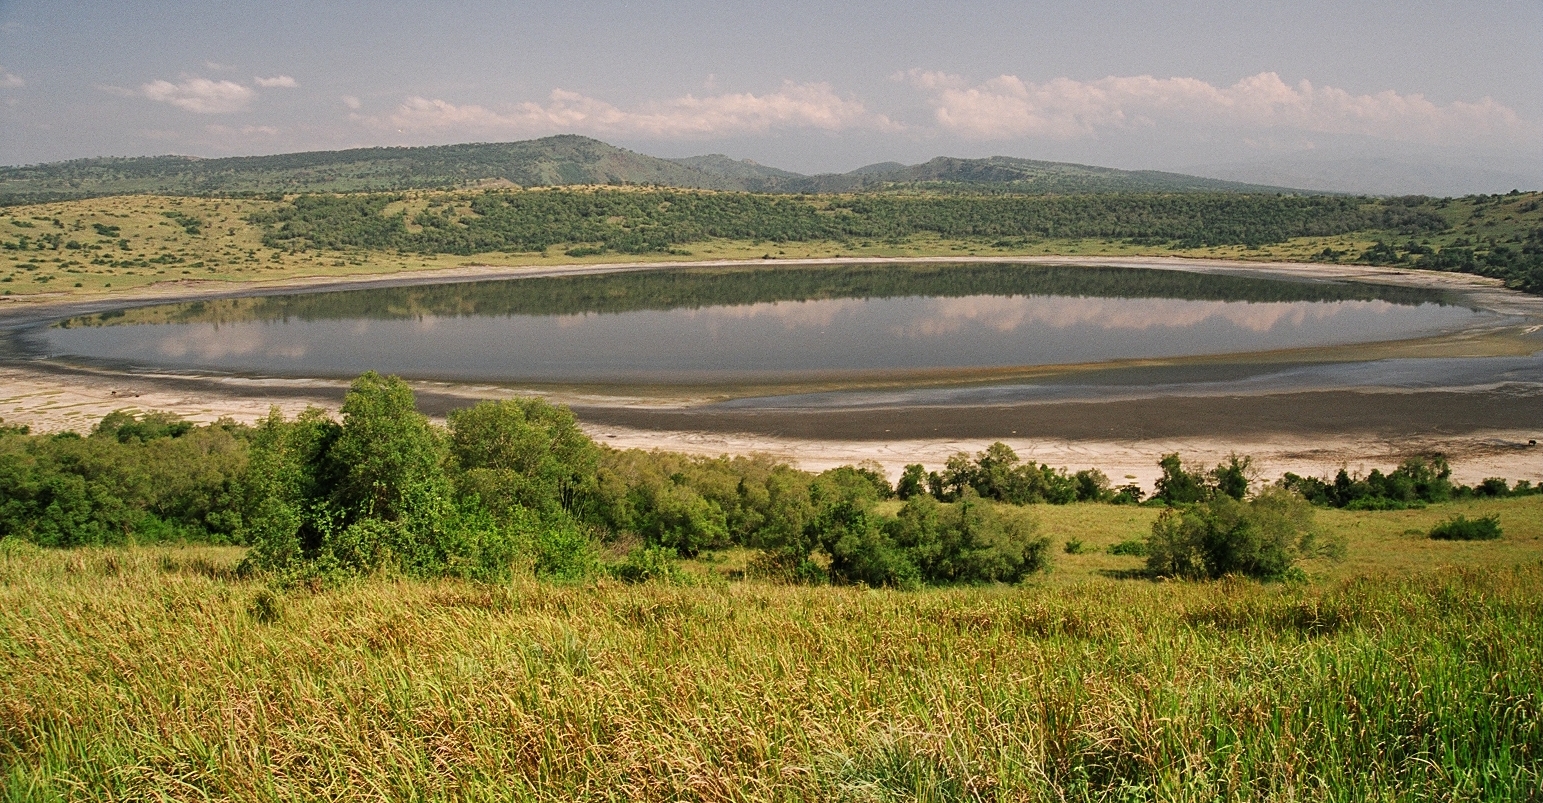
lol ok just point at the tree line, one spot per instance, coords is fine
(515, 486)
(636, 222)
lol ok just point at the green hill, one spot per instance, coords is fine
(559, 160)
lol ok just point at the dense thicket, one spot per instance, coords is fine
(504, 485)
(516, 486)
(640, 222)
(1416, 482)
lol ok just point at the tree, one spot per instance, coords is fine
(388, 459)
(1232, 477)
(913, 482)
(523, 452)
(1178, 486)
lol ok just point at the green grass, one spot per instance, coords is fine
(1388, 542)
(155, 673)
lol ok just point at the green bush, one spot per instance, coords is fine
(970, 541)
(1462, 528)
(1262, 538)
(1131, 547)
(649, 563)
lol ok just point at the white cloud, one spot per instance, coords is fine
(351, 102)
(246, 131)
(10, 80)
(276, 82)
(200, 95)
(1007, 107)
(813, 105)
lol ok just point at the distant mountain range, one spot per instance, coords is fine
(559, 160)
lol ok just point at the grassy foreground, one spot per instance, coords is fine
(154, 673)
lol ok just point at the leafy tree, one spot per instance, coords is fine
(1092, 486)
(526, 453)
(1179, 485)
(1232, 477)
(913, 482)
(388, 460)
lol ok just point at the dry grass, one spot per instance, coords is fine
(154, 673)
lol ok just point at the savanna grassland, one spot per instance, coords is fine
(107, 245)
(380, 640)
(157, 672)
(503, 609)
(498, 608)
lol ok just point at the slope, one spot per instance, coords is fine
(558, 160)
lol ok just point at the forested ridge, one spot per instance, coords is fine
(635, 222)
(600, 221)
(553, 161)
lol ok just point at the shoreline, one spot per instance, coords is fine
(38, 307)
(1306, 432)
(1366, 430)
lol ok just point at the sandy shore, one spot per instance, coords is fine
(1308, 433)
(52, 401)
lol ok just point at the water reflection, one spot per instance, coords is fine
(449, 335)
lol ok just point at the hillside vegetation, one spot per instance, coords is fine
(108, 244)
(551, 161)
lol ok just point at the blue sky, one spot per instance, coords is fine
(805, 86)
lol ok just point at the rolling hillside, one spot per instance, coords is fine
(552, 161)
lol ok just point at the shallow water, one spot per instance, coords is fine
(693, 326)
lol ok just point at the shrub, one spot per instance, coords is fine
(1133, 547)
(1075, 547)
(913, 482)
(1462, 528)
(649, 563)
(1128, 494)
(1262, 538)
(971, 541)
(1092, 486)
(523, 452)
(1179, 485)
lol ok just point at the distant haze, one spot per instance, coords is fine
(1380, 97)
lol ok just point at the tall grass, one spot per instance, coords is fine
(154, 673)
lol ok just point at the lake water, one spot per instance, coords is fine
(735, 325)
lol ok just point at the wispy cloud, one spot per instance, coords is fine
(247, 131)
(10, 80)
(200, 95)
(1008, 107)
(276, 82)
(807, 106)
